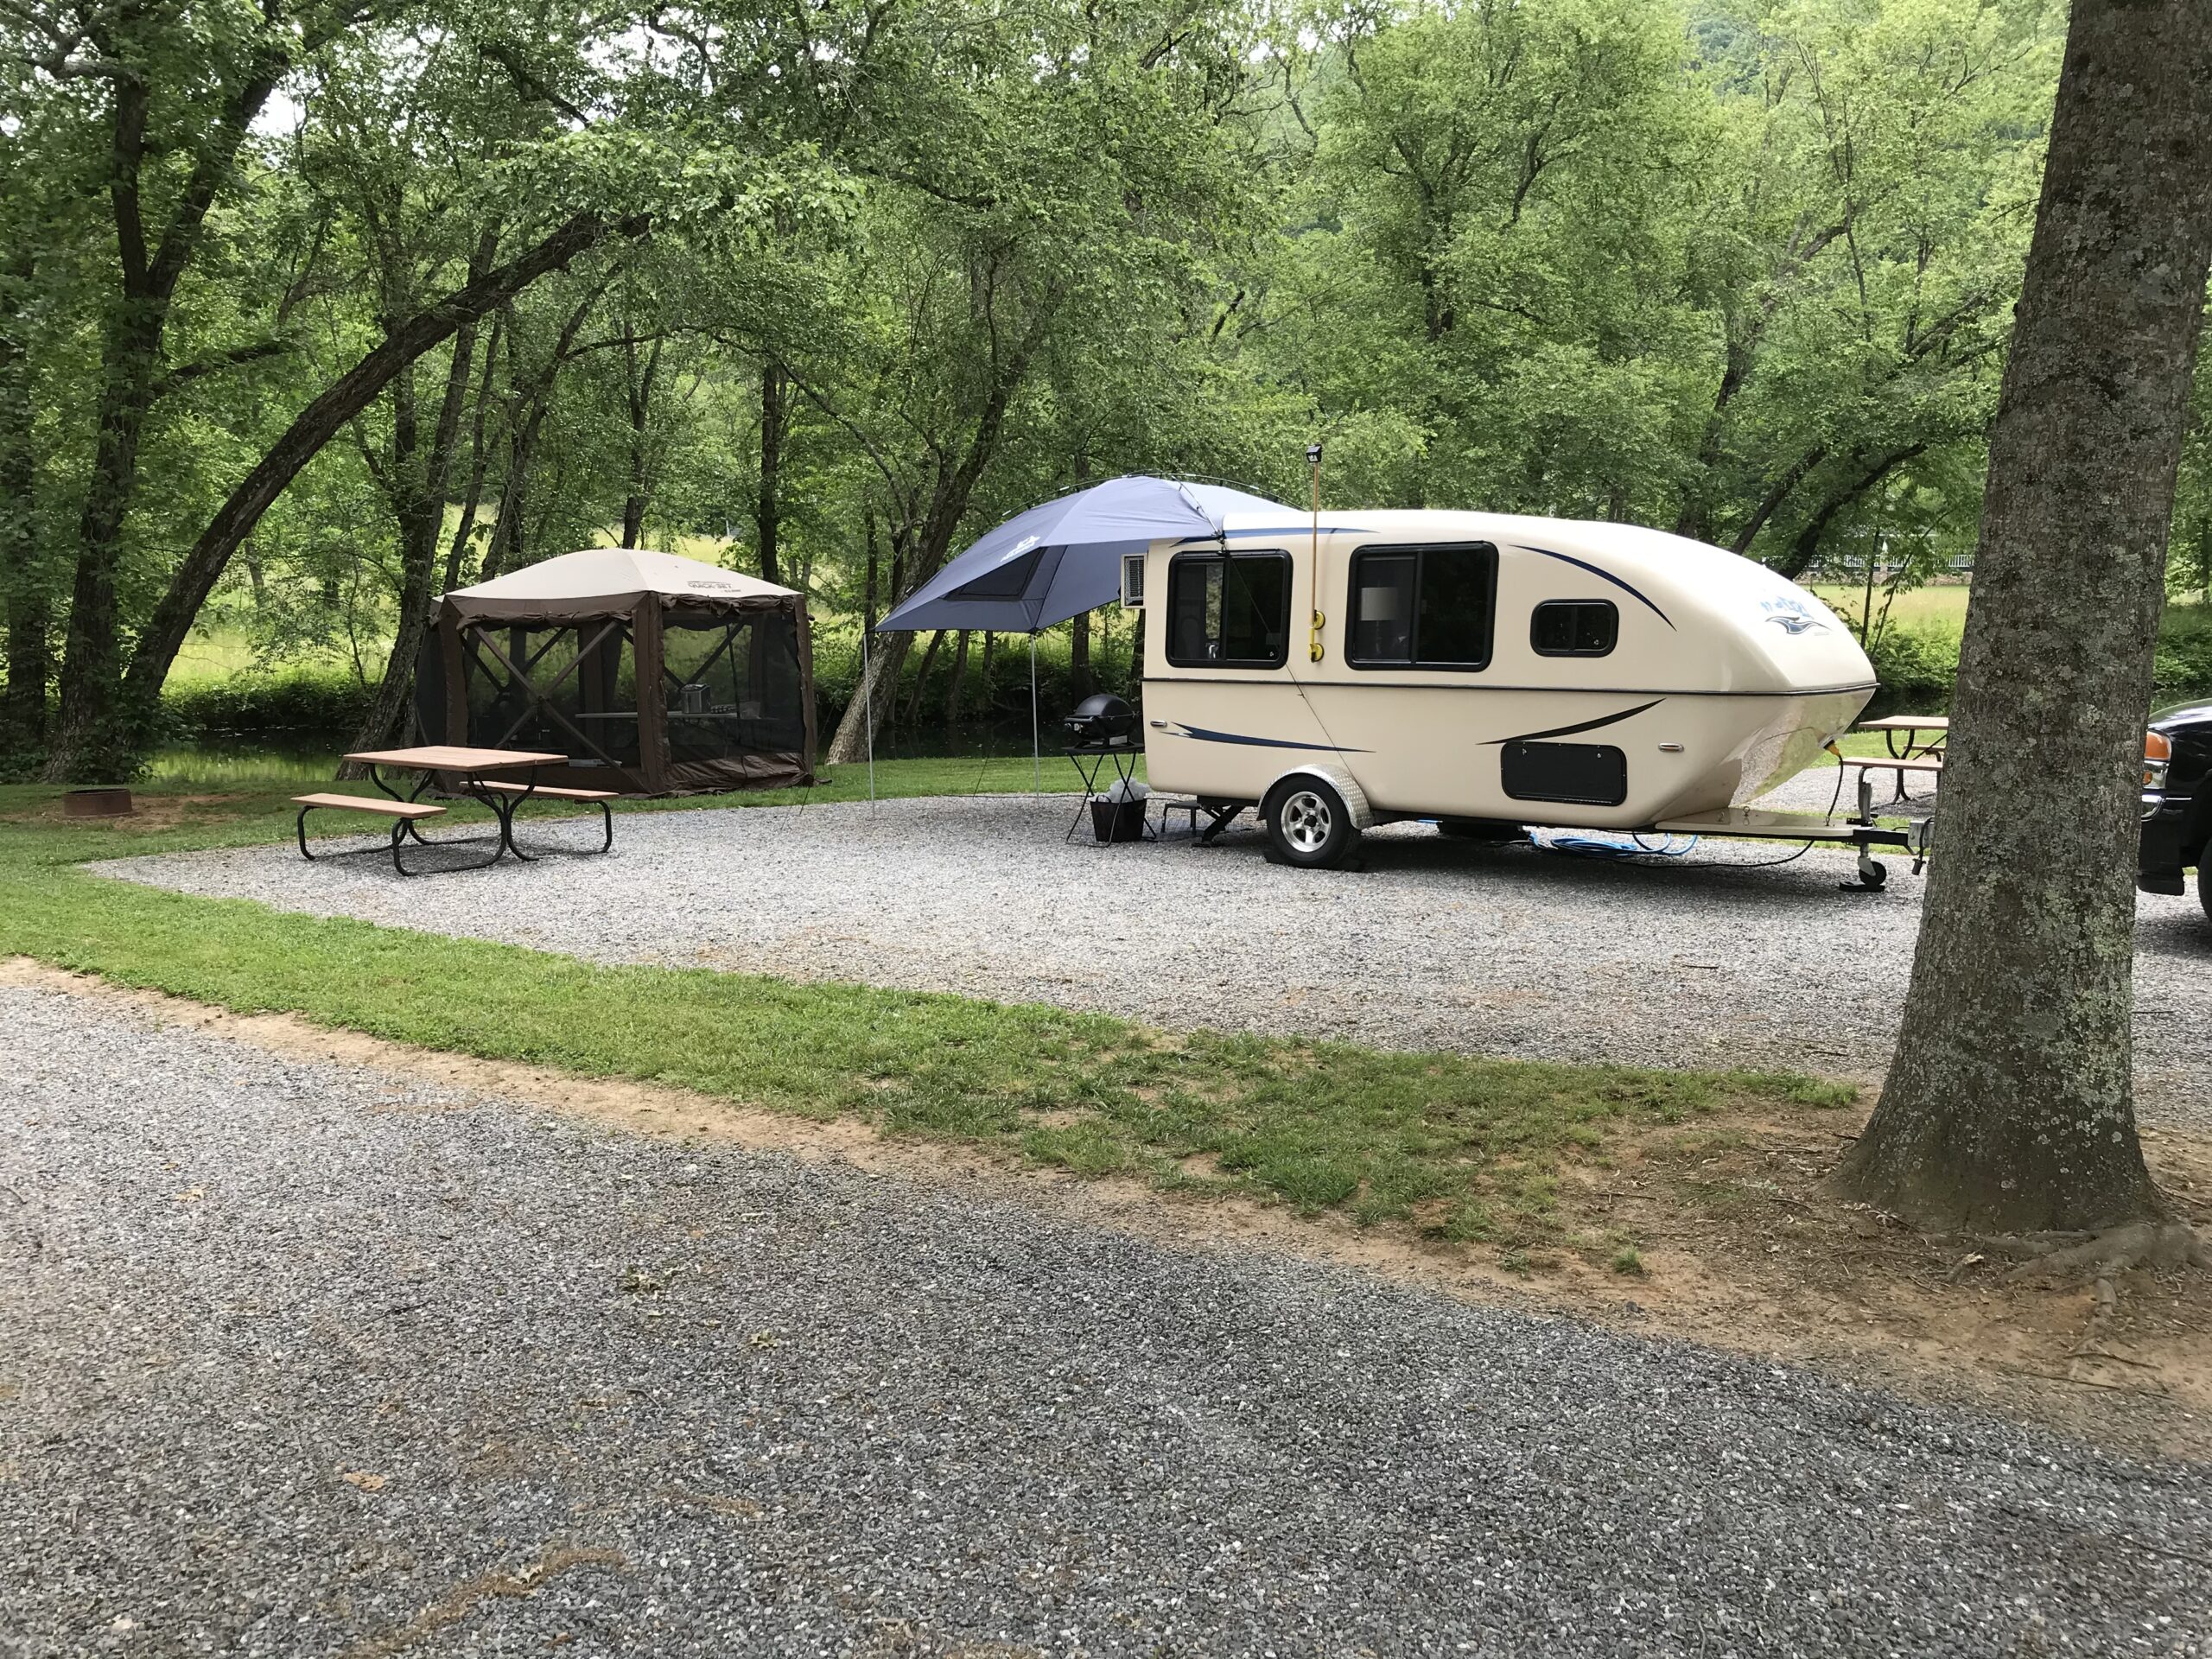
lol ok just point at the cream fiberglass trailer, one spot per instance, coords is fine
(1486, 671)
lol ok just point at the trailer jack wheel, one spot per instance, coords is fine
(1872, 875)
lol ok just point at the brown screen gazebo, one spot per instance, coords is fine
(655, 675)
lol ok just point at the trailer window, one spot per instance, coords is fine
(1229, 610)
(1421, 606)
(1574, 627)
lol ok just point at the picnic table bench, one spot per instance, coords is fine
(1926, 766)
(402, 812)
(598, 798)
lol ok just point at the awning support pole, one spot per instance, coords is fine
(868, 715)
(1036, 727)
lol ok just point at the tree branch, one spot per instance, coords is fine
(185, 373)
(320, 420)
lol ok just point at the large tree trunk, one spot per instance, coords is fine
(80, 750)
(1695, 518)
(959, 683)
(508, 541)
(638, 392)
(2009, 1106)
(887, 655)
(479, 452)
(951, 489)
(90, 737)
(768, 512)
(416, 479)
(28, 609)
(93, 650)
(922, 678)
(868, 716)
(1805, 547)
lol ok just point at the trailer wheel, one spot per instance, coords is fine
(1309, 825)
(2204, 887)
(1872, 870)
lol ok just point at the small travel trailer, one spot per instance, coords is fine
(1486, 671)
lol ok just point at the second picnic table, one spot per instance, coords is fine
(1916, 754)
(1909, 727)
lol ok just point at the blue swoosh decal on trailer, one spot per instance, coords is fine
(1587, 726)
(1177, 729)
(1607, 575)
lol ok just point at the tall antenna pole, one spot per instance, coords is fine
(1313, 637)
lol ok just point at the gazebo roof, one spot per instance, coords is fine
(608, 580)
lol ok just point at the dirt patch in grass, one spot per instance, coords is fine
(149, 813)
(1722, 1233)
(1715, 1229)
(1744, 1245)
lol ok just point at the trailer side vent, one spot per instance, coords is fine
(1587, 774)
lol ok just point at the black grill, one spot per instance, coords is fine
(1102, 722)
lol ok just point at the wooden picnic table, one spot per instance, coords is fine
(1917, 755)
(473, 770)
(1909, 726)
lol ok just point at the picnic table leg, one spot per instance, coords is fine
(506, 806)
(406, 826)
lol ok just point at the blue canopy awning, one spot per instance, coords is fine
(1065, 557)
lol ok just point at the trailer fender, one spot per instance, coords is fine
(1355, 798)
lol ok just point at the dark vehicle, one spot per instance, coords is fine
(2177, 801)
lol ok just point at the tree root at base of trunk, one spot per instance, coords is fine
(2136, 1244)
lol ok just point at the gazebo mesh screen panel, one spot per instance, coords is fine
(733, 685)
(567, 688)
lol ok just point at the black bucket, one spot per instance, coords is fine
(1117, 820)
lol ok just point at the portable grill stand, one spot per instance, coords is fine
(1091, 761)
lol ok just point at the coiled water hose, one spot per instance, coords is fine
(1587, 846)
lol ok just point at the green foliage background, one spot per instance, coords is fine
(895, 268)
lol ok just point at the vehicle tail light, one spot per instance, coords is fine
(2158, 756)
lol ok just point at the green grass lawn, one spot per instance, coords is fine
(1928, 610)
(1463, 1147)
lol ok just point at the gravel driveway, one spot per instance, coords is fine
(1435, 944)
(303, 1359)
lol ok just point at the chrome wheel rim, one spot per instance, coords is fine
(1306, 822)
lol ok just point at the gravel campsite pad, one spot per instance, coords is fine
(1436, 944)
(308, 1358)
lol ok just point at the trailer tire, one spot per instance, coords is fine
(1309, 825)
(2204, 888)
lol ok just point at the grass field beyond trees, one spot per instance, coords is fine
(1463, 1148)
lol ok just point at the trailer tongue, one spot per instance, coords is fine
(1747, 824)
